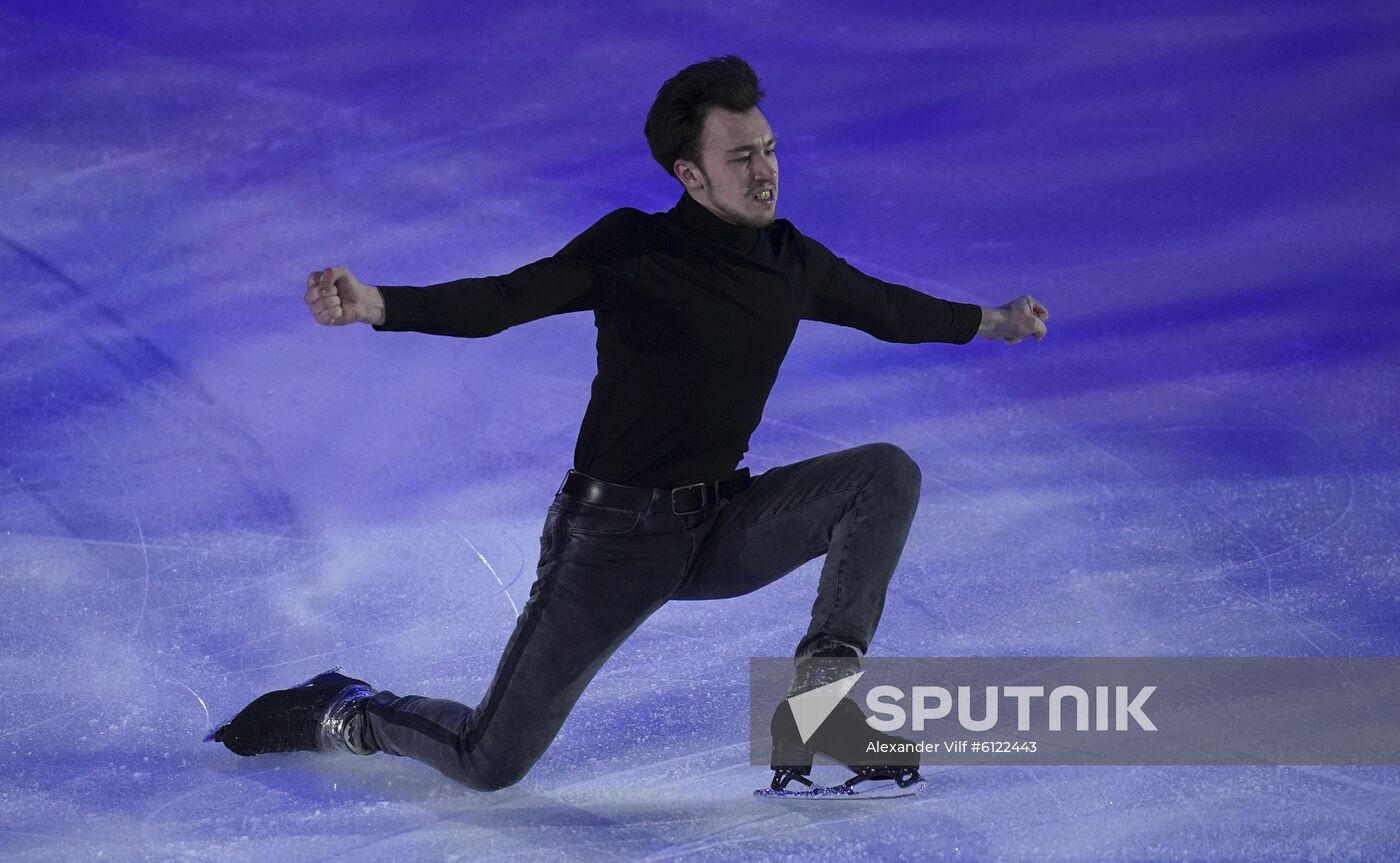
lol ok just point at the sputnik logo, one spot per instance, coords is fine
(811, 708)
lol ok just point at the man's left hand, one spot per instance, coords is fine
(1014, 321)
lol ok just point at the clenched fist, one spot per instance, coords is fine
(1015, 320)
(336, 297)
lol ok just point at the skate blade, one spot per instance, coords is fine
(212, 736)
(881, 789)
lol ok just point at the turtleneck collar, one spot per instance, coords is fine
(695, 216)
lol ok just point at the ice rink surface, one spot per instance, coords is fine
(205, 496)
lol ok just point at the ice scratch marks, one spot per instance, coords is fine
(1059, 803)
(393, 636)
(83, 540)
(1293, 546)
(1285, 617)
(13, 731)
(1258, 556)
(1258, 552)
(1188, 803)
(489, 568)
(1097, 447)
(1263, 557)
(669, 633)
(61, 838)
(1297, 429)
(723, 836)
(382, 633)
(211, 789)
(207, 723)
(1303, 627)
(657, 766)
(1349, 776)
(271, 635)
(45, 185)
(136, 519)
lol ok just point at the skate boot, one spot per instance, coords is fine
(324, 714)
(842, 734)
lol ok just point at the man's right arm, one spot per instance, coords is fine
(575, 279)
(476, 307)
(465, 307)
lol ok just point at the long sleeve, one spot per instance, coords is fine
(576, 279)
(486, 306)
(845, 296)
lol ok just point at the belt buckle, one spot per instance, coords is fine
(703, 486)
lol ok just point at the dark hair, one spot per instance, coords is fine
(677, 117)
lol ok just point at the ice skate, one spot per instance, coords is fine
(841, 733)
(845, 737)
(323, 714)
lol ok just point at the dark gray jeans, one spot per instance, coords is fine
(603, 571)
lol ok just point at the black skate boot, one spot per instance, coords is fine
(324, 714)
(842, 735)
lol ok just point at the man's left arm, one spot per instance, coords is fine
(896, 313)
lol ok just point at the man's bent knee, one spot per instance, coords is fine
(892, 461)
(495, 778)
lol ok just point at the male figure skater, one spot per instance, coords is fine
(695, 309)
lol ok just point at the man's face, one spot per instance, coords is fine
(737, 176)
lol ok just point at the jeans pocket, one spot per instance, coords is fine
(547, 542)
(587, 519)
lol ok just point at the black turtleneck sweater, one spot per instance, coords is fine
(694, 317)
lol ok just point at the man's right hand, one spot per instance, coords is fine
(336, 297)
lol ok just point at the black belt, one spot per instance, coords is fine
(683, 500)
